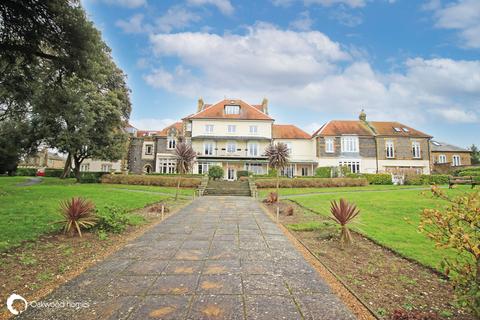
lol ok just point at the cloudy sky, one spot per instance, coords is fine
(417, 62)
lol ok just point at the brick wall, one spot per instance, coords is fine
(366, 147)
(403, 148)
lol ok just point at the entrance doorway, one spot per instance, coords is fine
(231, 174)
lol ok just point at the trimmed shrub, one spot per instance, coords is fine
(378, 178)
(189, 175)
(146, 180)
(53, 172)
(474, 173)
(323, 172)
(242, 173)
(425, 179)
(27, 172)
(91, 177)
(311, 183)
(215, 172)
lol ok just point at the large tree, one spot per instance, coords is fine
(475, 154)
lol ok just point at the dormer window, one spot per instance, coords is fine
(397, 129)
(171, 142)
(405, 130)
(232, 109)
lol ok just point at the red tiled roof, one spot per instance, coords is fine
(387, 128)
(217, 111)
(176, 125)
(339, 127)
(288, 131)
(147, 133)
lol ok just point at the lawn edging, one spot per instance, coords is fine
(398, 254)
(361, 308)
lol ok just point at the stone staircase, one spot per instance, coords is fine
(227, 188)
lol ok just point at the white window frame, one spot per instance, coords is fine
(231, 147)
(208, 148)
(253, 129)
(232, 109)
(353, 165)
(85, 167)
(389, 149)
(231, 128)
(456, 160)
(189, 127)
(147, 147)
(167, 165)
(253, 149)
(209, 128)
(349, 144)
(304, 171)
(106, 167)
(203, 167)
(255, 168)
(442, 158)
(329, 145)
(289, 147)
(416, 151)
(171, 143)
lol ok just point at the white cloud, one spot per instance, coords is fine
(225, 6)
(326, 3)
(307, 70)
(346, 18)
(127, 3)
(463, 15)
(303, 22)
(151, 123)
(176, 17)
(132, 25)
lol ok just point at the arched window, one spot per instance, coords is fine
(147, 169)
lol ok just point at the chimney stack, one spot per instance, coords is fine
(200, 105)
(363, 115)
(265, 105)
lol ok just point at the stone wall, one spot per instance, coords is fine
(403, 148)
(136, 162)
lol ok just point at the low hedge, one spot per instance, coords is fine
(53, 172)
(475, 173)
(373, 178)
(91, 177)
(323, 172)
(189, 175)
(426, 179)
(27, 172)
(312, 183)
(163, 181)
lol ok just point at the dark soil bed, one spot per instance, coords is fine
(36, 268)
(382, 279)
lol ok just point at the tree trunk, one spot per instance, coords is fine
(76, 170)
(278, 185)
(178, 188)
(67, 168)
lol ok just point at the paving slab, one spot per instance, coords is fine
(218, 258)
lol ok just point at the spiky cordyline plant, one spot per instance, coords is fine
(77, 213)
(343, 213)
(278, 157)
(185, 156)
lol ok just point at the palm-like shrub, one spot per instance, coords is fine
(77, 213)
(343, 213)
(278, 157)
(185, 156)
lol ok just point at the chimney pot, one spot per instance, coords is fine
(265, 105)
(200, 105)
(363, 115)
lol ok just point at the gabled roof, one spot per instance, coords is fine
(217, 111)
(437, 146)
(344, 127)
(288, 131)
(147, 133)
(176, 125)
(394, 129)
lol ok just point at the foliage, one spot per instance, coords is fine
(185, 156)
(78, 213)
(373, 178)
(29, 172)
(146, 180)
(469, 172)
(112, 219)
(426, 179)
(311, 182)
(91, 177)
(413, 315)
(49, 172)
(272, 172)
(272, 197)
(278, 157)
(242, 173)
(457, 226)
(343, 213)
(323, 172)
(215, 172)
(475, 156)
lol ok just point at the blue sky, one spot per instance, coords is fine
(417, 62)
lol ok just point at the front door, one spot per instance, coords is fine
(231, 174)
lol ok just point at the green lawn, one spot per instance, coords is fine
(27, 212)
(391, 218)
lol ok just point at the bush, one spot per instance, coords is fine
(378, 178)
(161, 181)
(113, 219)
(77, 213)
(27, 172)
(49, 172)
(215, 172)
(91, 177)
(311, 182)
(242, 173)
(474, 173)
(323, 172)
(425, 179)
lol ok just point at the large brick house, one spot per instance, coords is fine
(233, 134)
(372, 146)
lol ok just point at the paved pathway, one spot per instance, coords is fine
(30, 182)
(219, 258)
